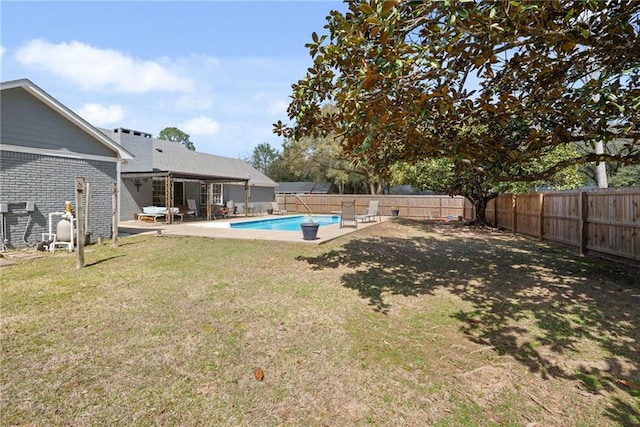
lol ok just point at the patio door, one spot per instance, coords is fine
(178, 193)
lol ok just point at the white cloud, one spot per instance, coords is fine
(94, 68)
(3, 50)
(201, 126)
(99, 115)
(278, 108)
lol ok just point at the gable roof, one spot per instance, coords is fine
(176, 158)
(160, 157)
(67, 114)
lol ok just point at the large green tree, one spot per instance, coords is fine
(491, 86)
(321, 159)
(263, 157)
(445, 175)
(174, 134)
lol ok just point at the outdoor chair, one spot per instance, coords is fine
(276, 209)
(232, 209)
(220, 211)
(193, 208)
(370, 212)
(348, 214)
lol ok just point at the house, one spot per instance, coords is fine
(44, 146)
(165, 173)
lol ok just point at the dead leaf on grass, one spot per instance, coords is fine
(259, 374)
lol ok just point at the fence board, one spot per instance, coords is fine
(610, 225)
(504, 212)
(601, 221)
(528, 214)
(614, 223)
(415, 207)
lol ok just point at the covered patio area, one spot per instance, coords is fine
(169, 180)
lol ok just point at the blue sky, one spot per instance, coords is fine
(219, 70)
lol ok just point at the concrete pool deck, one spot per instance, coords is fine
(197, 228)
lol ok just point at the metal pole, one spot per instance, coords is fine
(79, 221)
(87, 214)
(114, 215)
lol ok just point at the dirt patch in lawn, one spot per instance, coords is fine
(403, 323)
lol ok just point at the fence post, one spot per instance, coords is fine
(584, 215)
(541, 216)
(514, 206)
(495, 211)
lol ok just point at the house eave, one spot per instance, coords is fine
(44, 97)
(183, 175)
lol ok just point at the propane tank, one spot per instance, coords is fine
(63, 230)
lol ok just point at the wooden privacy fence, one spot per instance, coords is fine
(415, 207)
(605, 222)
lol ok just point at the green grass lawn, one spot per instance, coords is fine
(405, 323)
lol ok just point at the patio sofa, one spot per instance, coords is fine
(154, 213)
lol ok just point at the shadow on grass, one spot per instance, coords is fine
(100, 261)
(534, 302)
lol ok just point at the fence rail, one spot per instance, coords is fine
(605, 222)
(415, 207)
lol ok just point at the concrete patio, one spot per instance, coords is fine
(217, 229)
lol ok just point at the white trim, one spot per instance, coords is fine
(57, 153)
(119, 190)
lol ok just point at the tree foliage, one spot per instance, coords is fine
(174, 134)
(491, 86)
(619, 175)
(321, 159)
(263, 157)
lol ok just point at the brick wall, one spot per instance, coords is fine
(49, 182)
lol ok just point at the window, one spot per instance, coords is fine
(158, 197)
(216, 194)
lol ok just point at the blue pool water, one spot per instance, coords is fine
(287, 223)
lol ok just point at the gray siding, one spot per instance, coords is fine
(257, 194)
(49, 182)
(140, 146)
(28, 122)
(132, 201)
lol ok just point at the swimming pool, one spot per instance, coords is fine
(286, 223)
